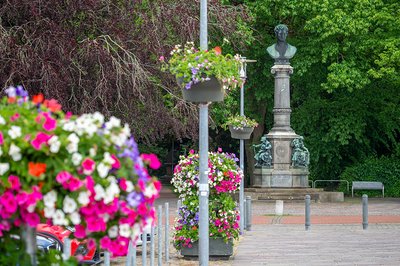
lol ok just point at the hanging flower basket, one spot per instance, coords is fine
(241, 133)
(206, 91)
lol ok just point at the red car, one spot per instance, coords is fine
(52, 237)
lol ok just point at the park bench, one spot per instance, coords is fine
(360, 185)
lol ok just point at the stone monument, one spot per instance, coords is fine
(287, 164)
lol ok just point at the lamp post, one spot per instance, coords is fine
(203, 152)
(243, 76)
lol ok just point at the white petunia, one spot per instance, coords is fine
(72, 147)
(114, 122)
(113, 231)
(129, 186)
(31, 208)
(92, 152)
(76, 158)
(49, 212)
(103, 169)
(75, 218)
(124, 230)
(83, 198)
(4, 167)
(15, 152)
(108, 159)
(111, 192)
(14, 132)
(73, 138)
(2, 121)
(69, 205)
(69, 126)
(150, 191)
(99, 190)
(59, 218)
(50, 199)
(55, 144)
(98, 117)
(1, 152)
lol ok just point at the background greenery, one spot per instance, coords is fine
(103, 55)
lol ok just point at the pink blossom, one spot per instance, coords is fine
(68, 115)
(88, 166)
(142, 209)
(1, 138)
(8, 202)
(105, 242)
(91, 244)
(14, 182)
(116, 163)
(22, 197)
(63, 177)
(49, 124)
(96, 224)
(17, 222)
(191, 151)
(80, 231)
(14, 117)
(39, 140)
(90, 184)
(219, 149)
(122, 184)
(74, 184)
(32, 219)
(152, 160)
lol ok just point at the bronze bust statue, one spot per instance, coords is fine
(281, 51)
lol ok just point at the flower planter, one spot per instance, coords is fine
(202, 92)
(244, 133)
(217, 248)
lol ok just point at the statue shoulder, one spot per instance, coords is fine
(272, 51)
(291, 50)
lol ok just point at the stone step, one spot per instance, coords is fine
(285, 190)
(294, 195)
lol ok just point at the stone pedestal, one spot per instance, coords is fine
(281, 174)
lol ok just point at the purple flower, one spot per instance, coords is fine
(194, 70)
(188, 85)
(134, 199)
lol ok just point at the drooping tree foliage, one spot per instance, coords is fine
(345, 86)
(102, 55)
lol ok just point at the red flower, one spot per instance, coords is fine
(36, 169)
(53, 105)
(38, 98)
(217, 50)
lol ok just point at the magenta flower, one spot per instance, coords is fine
(14, 117)
(63, 177)
(105, 242)
(152, 160)
(80, 231)
(41, 138)
(88, 166)
(32, 219)
(8, 202)
(14, 182)
(49, 124)
(74, 184)
(1, 138)
(116, 163)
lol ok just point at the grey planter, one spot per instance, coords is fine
(202, 92)
(244, 133)
(217, 248)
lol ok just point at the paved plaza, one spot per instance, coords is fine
(336, 236)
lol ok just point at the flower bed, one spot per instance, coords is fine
(223, 179)
(80, 171)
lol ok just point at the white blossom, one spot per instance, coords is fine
(124, 230)
(4, 167)
(49, 211)
(69, 126)
(54, 144)
(113, 231)
(99, 190)
(15, 152)
(14, 132)
(98, 117)
(102, 169)
(2, 121)
(129, 186)
(83, 198)
(92, 152)
(69, 205)
(73, 138)
(59, 218)
(50, 199)
(75, 218)
(76, 158)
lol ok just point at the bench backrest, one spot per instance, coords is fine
(367, 185)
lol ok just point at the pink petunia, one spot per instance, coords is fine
(122, 184)
(152, 160)
(49, 124)
(90, 184)
(32, 219)
(14, 182)
(14, 117)
(41, 138)
(116, 164)
(80, 231)
(88, 166)
(63, 177)
(74, 184)
(1, 138)
(21, 198)
(105, 242)
(142, 209)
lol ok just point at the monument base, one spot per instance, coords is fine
(292, 178)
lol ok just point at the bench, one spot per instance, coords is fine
(360, 185)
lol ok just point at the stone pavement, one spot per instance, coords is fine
(336, 236)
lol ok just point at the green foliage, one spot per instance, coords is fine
(385, 170)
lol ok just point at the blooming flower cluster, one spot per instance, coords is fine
(224, 178)
(239, 122)
(224, 174)
(193, 65)
(80, 171)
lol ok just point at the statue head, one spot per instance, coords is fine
(281, 32)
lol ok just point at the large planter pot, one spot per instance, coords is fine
(244, 133)
(217, 248)
(202, 92)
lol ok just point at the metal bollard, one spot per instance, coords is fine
(243, 215)
(279, 207)
(365, 211)
(67, 248)
(166, 232)
(144, 246)
(308, 220)
(130, 253)
(159, 234)
(152, 246)
(248, 213)
(134, 255)
(106, 258)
